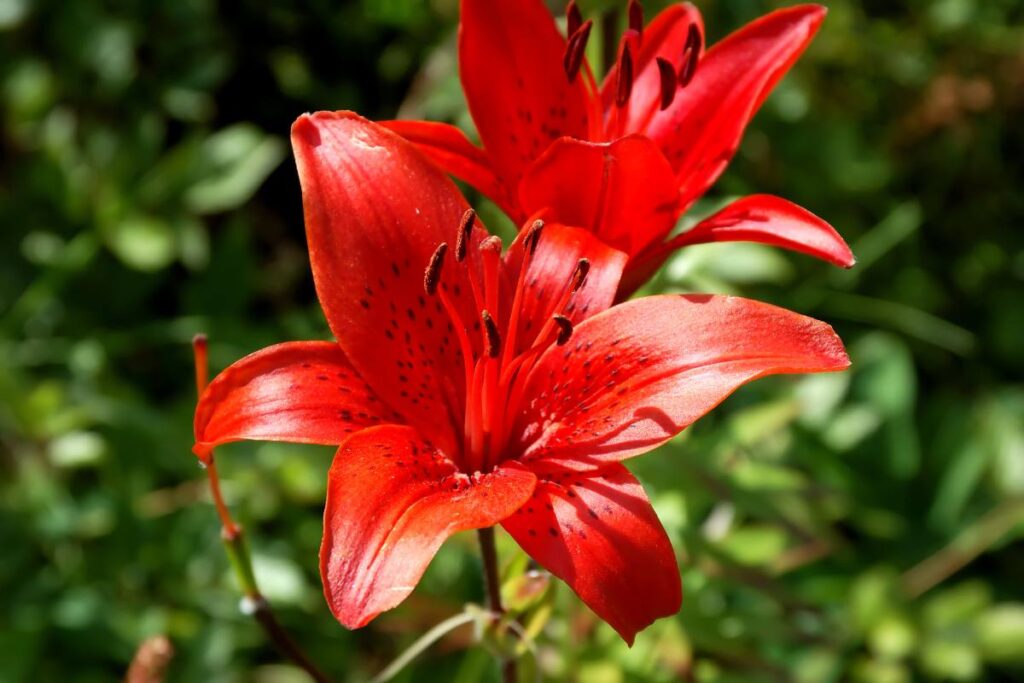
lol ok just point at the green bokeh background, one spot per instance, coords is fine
(859, 527)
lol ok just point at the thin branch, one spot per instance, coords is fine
(964, 549)
(237, 548)
(149, 665)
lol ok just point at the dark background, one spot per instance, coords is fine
(862, 526)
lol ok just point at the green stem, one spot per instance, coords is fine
(254, 603)
(509, 673)
(424, 641)
(237, 548)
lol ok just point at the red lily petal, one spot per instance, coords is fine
(375, 210)
(757, 218)
(510, 62)
(664, 37)
(303, 392)
(623, 191)
(701, 130)
(771, 220)
(449, 148)
(391, 501)
(641, 372)
(599, 534)
(550, 272)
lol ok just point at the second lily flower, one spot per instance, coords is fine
(627, 158)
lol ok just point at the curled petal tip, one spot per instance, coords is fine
(304, 130)
(835, 352)
(814, 12)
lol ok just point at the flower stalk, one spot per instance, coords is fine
(237, 547)
(492, 582)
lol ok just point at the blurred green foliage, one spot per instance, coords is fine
(857, 527)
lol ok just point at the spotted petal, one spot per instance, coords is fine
(375, 211)
(598, 533)
(641, 372)
(448, 147)
(303, 392)
(701, 131)
(510, 62)
(623, 191)
(392, 500)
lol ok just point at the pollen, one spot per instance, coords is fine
(465, 228)
(533, 237)
(492, 335)
(433, 273)
(564, 329)
(579, 276)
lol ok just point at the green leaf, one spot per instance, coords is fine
(754, 545)
(1000, 631)
(239, 159)
(956, 605)
(145, 243)
(950, 660)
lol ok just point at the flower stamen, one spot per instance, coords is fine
(624, 76)
(530, 242)
(433, 273)
(491, 335)
(691, 55)
(465, 228)
(667, 74)
(564, 329)
(635, 12)
(573, 18)
(575, 49)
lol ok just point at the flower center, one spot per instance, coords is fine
(496, 375)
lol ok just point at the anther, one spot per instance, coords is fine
(575, 49)
(533, 237)
(493, 345)
(465, 228)
(573, 18)
(624, 81)
(636, 17)
(564, 329)
(691, 53)
(579, 276)
(433, 273)
(667, 73)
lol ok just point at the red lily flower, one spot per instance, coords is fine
(625, 159)
(468, 389)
